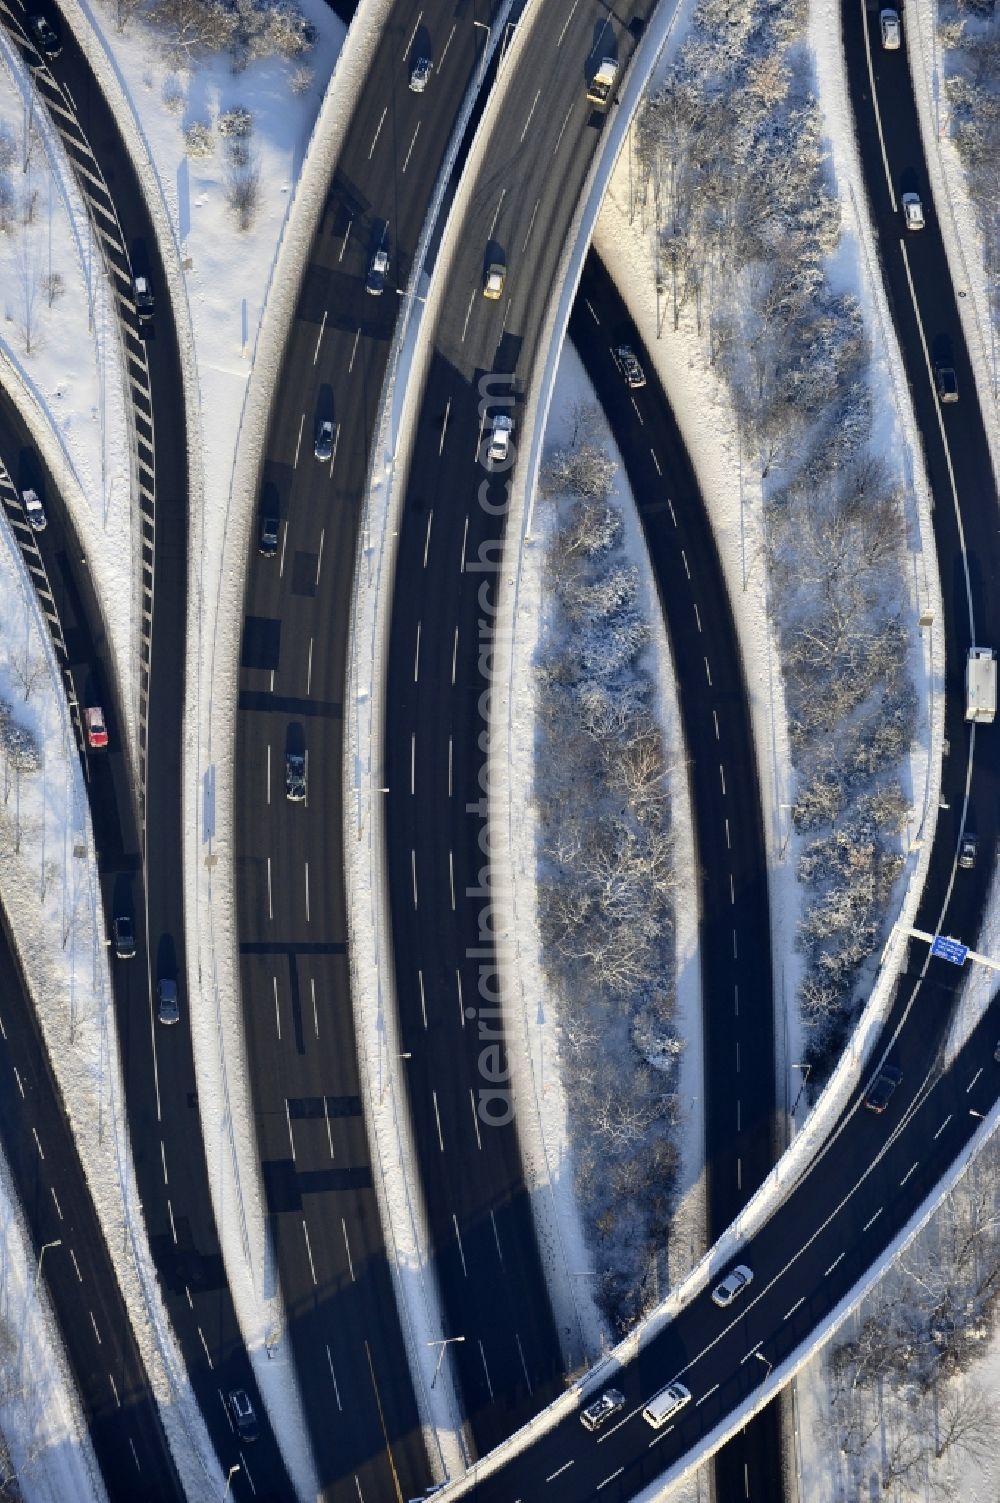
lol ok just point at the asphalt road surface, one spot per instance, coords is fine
(157, 1063)
(509, 1360)
(45, 1164)
(742, 1135)
(295, 974)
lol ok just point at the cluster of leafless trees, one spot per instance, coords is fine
(903, 1389)
(970, 32)
(605, 871)
(246, 29)
(18, 742)
(731, 150)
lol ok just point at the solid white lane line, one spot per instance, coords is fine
(170, 1213)
(444, 424)
(973, 1080)
(833, 1265)
(732, 889)
(609, 1479)
(465, 538)
(524, 1365)
(461, 1006)
(284, 544)
(451, 878)
(277, 1009)
(288, 1122)
(796, 1305)
(479, 1144)
(319, 556)
(350, 363)
(531, 112)
(736, 1001)
(450, 760)
(350, 1260)
(872, 1220)
(496, 1236)
(17, 1077)
(655, 461)
(684, 561)
(722, 779)
(637, 412)
(572, 13)
(737, 1056)
(940, 1130)
(312, 1265)
(333, 451)
(697, 616)
(423, 999)
(707, 1395)
(564, 1468)
(735, 948)
(378, 130)
(454, 657)
(413, 873)
(413, 763)
(437, 1118)
(444, 53)
(312, 989)
(307, 892)
(531, 226)
(329, 1130)
(427, 538)
(333, 1375)
(309, 670)
(458, 1239)
(908, 1173)
(468, 314)
(708, 673)
(163, 1163)
(347, 236)
(58, 1207)
(298, 442)
(486, 1370)
(496, 212)
(416, 655)
(406, 159)
(319, 338)
(739, 1116)
(204, 1344)
(747, 1355)
(715, 717)
(590, 309)
(270, 902)
(729, 843)
(114, 1389)
(673, 516)
(76, 1266)
(563, 127)
(413, 33)
(267, 780)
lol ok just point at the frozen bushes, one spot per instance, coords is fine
(248, 29)
(20, 748)
(745, 221)
(605, 881)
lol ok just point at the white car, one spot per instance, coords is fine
(375, 281)
(732, 1285)
(34, 510)
(913, 211)
(891, 31)
(503, 427)
(419, 74)
(595, 1414)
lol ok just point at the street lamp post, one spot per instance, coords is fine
(761, 1358)
(232, 1473)
(41, 1255)
(446, 1341)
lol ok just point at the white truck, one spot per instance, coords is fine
(981, 685)
(603, 82)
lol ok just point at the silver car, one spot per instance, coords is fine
(595, 1414)
(732, 1285)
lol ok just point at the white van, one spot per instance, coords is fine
(665, 1403)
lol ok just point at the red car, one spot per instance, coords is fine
(97, 731)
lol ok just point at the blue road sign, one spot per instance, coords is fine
(950, 950)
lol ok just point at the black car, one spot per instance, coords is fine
(124, 936)
(323, 442)
(267, 542)
(45, 36)
(882, 1087)
(243, 1414)
(946, 382)
(145, 303)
